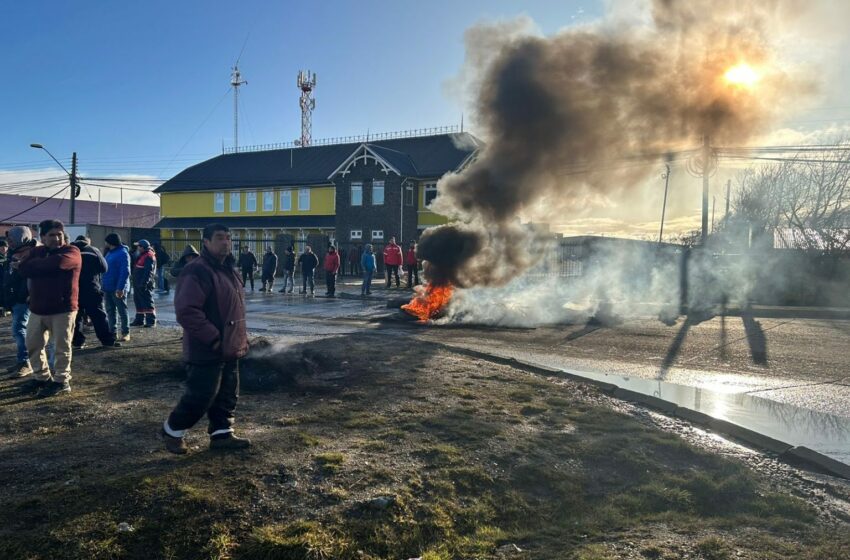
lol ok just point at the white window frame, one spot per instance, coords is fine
(429, 187)
(286, 200)
(218, 202)
(377, 235)
(237, 196)
(376, 186)
(358, 187)
(251, 197)
(301, 198)
(409, 197)
(356, 234)
(268, 201)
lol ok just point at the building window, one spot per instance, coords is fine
(357, 234)
(357, 194)
(303, 199)
(377, 234)
(268, 201)
(408, 195)
(430, 193)
(251, 202)
(218, 202)
(235, 199)
(377, 192)
(286, 200)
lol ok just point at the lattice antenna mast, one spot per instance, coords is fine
(236, 81)
(306, 83)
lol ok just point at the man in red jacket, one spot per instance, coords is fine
(53, 274)
(392, 260)
(411, 263)
(210, 306)
(331, 266)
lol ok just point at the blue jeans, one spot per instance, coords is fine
(114, 303)
(367, 282)
(20, 318)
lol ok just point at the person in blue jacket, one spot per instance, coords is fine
(368, 264)
(116, 283)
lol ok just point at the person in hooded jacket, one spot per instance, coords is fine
(116, 285)
(189, 254)
(144, 279)
(91, 297)
(269, 269)
(16, 295)
(368, 263)
(331, 266)
(288, 271)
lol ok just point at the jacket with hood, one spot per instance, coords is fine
(181, 262)
(54, 279)
(269, 264)
(210, 306)
(368, 261)
(15, 289)
(308, 262)
(332, 262)
(392, 255)
(289, 262)
(93, 266)
(144, 270)
(117, 275)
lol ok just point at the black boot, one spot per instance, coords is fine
(139, 320)
(150, 320)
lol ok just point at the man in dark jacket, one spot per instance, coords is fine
(144, 275)
(53, 272)
(331, 266)
(308, 261)
(269, 269)
(16, 294)
(288, 271)
(162, 260)
(189, 254)
(91, 296)
(210, 306)
(247, 264)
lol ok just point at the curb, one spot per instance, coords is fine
(799, 455)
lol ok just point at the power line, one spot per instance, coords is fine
(36, 205)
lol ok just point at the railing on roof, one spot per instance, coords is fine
(369, 137)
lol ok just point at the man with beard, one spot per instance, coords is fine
(144, 276)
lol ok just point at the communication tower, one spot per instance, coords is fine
(236, 81)
(306, 83)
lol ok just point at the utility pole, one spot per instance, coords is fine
(706, 171)
(74, 188)
(713, 207)
(666, 177)
(728, 196)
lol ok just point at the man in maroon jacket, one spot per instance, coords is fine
(53, 274)
(210, 306)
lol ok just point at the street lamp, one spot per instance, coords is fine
(72, 176)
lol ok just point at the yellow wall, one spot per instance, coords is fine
(427, 218)
(202, 204)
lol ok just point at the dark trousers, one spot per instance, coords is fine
(392, 269)
(91, 305)
(412, 275)
(330, 281)
(248, 274)
(355, 268)
(143, 300)
(307, 278)
(211, 389)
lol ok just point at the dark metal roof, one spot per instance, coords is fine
(252, 222)
(424, 156)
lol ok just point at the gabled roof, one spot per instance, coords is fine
(421, 157)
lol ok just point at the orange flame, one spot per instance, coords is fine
(429, 301)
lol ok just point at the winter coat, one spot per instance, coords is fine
(54, 279)
(144, 270)
(332, 262)
(308, 262)
(117, 275)
(269, 264)
(392, 255)
(210, 306)
(410, 257)
(162, 256)
(94, 265)
(2, 274)
(289, 262)
(15, 290)
(247, 261)
(354, 255)
(182, 261)
(368, 262)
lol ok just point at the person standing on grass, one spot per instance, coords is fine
(308, 261)
(210, 306)
(288, 271)
(411, 263)
(331, 266)
(392, 260)
(53, 274)
(368, 263)
(247, 264)
(16, 295)
(91, 296)
(269, 269)
(144, 278)
(116, 284)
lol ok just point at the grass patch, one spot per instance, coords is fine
(330, 462)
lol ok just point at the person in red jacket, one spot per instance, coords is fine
(392, 260)
(331, 268)
(411, 265)
(53, 274)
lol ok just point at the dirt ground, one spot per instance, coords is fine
(369, 447)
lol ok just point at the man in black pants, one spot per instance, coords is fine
(210, 306)
(91, 296)
(247, 264)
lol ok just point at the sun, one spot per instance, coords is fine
(743, 75)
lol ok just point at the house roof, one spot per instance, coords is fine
(422, 157)
(24, 211)
(253, 222)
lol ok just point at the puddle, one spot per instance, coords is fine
(825, 433)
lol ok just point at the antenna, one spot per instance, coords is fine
(306, 83)
(236, 81)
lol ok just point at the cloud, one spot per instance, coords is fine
(46, 182)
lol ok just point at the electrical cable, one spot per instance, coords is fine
(36, 205)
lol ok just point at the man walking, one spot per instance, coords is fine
(411, 263)
(91, 296)
(53, 272)
(16, 294)
(288, 271)
(331, 266)
(144, 275)
(269, 269)
(210, 306)
(247, 264)
(308, 261)
(116, 284)
(368, 263)
(392, 260)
